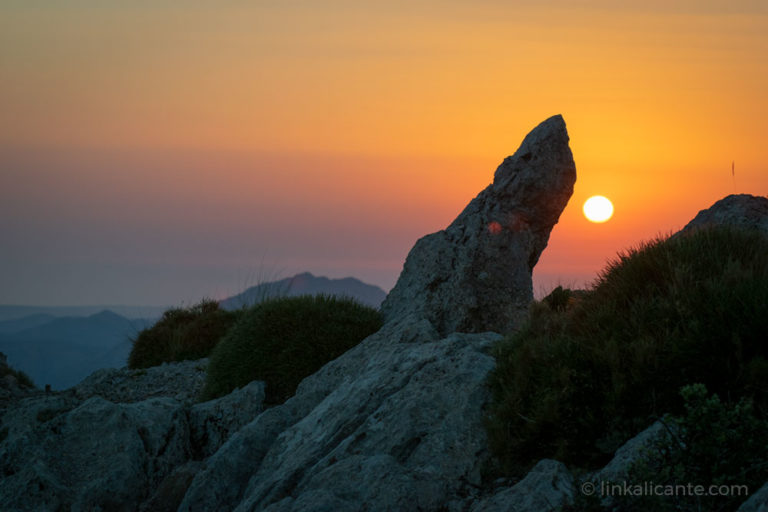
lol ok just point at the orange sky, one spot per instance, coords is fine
(151, 153)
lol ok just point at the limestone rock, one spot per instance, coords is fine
(546, 488)
(96, 456)
(64, 450)
(387, 426)
(171, 490)
(475, 275)
(738, 210)
(629, 453)
(182, 381)
(758, 502)
(212, 422)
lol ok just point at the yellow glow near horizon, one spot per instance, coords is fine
(598, 209)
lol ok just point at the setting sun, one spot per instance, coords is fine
(598, 209)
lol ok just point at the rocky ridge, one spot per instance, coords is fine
(396, 423)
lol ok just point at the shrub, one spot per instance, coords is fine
(22, 379)
(181, 333)
(577, 382)
(710, 444)
(282, 341)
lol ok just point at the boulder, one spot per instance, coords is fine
(629, 453)
(387, 426)
(62, 450)
(183, 381)
(475, 275)
(738, 210)
(758, 502)
(95, 456)
(546, 488)
(212, 422)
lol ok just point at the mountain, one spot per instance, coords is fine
(13, 312)
(63, 351)
(25, 322)
(308, 284)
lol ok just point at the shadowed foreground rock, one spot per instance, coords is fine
(475, 275)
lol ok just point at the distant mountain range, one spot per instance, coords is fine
(61, 346)
(10, 312)
(63, 351)
(308, 284)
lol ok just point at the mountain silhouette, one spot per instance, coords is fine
(308, 284)
(63, 351)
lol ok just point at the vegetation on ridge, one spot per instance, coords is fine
(714, 446)
(182, 333)
(585, 375)
(22, 379)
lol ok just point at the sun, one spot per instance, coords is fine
(598, 209)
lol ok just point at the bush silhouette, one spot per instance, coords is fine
(181, 333)
(282, 341)
(577, 382)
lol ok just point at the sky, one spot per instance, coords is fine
(154, 153)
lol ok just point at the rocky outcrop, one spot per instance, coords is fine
(629, 453)
(475, 275)
(387, 426)
(76, 450)
(211, 423)
(395, 423)
(738, 210)
(97, 456)
(182, 381)
(546, 488)
(758, 502)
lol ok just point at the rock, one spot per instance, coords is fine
(212, 422)
(182, 381)
(387, 426)
(475, 275)
(171, 490)
(96, 456)
(758, 502)
(547, 487)
(738, 210)
(395, 423)
(629, 453)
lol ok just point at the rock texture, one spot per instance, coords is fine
(475, 275)
(97, 456)
(547, 488)
(182, 381)
(738, 210)
(76, 450)
(758, 502)
(629, 453)
(387, 426)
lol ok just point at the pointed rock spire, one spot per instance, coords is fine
(475, 275)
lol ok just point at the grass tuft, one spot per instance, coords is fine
(182, 333)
